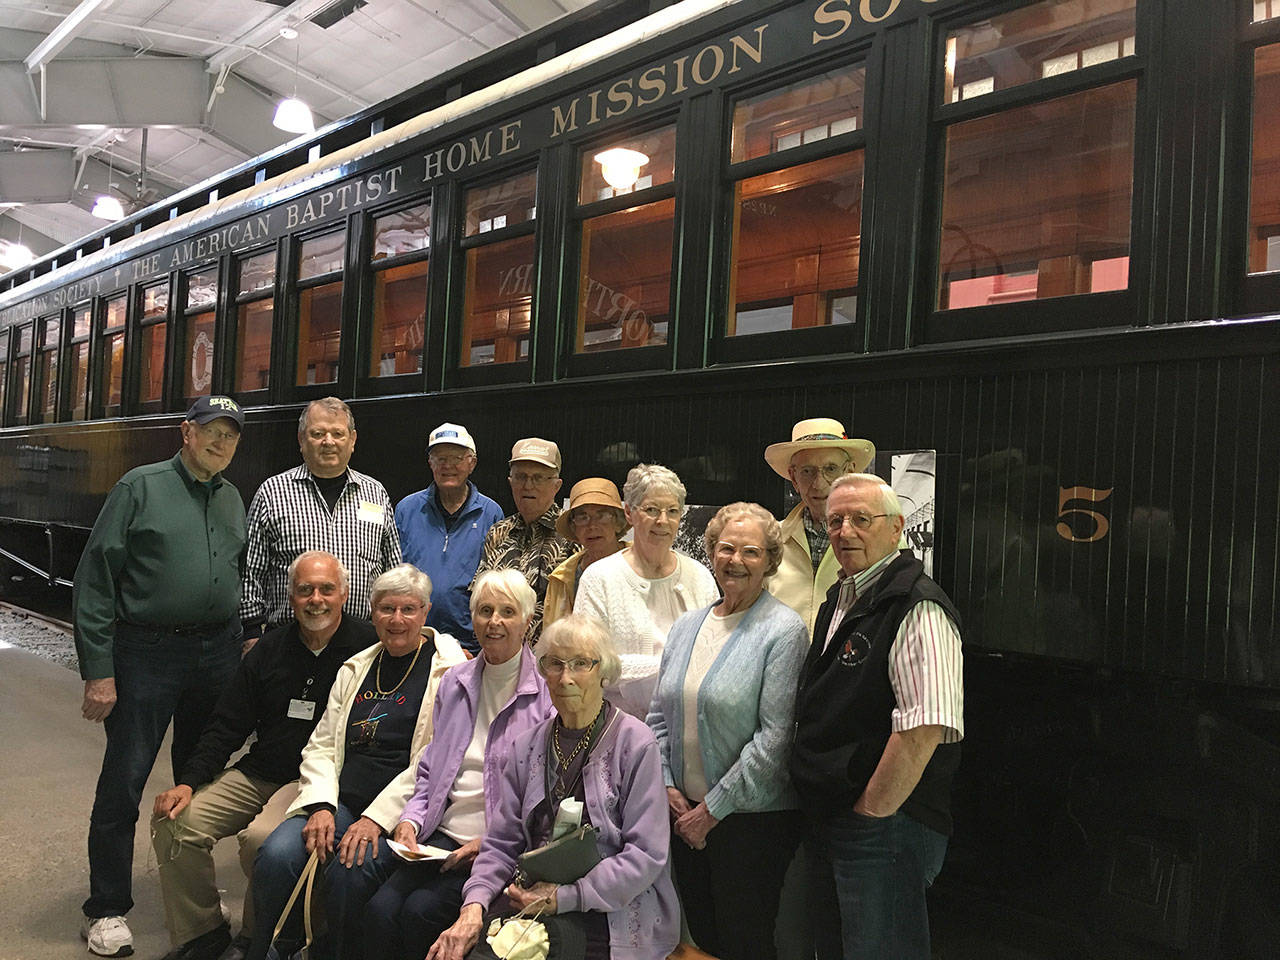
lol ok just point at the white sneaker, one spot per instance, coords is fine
(107, 936)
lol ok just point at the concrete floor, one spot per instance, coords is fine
(49, 762)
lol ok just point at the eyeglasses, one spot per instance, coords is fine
(217, 435)
(448, 461)
(408, 610)
(520, 478)
(748, 552)
(583, 519)
(578, 665)
(860, 520)
(653, 513)
(828, 472)
(307, 589)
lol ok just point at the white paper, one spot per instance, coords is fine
(420, 854)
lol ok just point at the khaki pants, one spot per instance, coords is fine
(233, 802)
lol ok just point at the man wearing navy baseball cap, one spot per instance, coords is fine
(157, 633)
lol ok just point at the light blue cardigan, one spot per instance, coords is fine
(745, 708)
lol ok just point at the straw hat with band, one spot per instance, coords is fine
(593, 490)
(819, 433)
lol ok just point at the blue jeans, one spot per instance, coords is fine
(159, 677)
(867, 879)
(414, 906)
(346, 889)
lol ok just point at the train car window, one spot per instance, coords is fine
(401, 248)
(111, 384)
(1048, 212)
(47, 384)
(1264, 187)
(807, 111)
(25, 339)
(153, 330)
(199, 334)
(797, 230)
(498, 293)
(78, 362)
(4, 373)
(320, 307)
(254, 316)
(1266, 10)
(1038, 41)
(624, 265)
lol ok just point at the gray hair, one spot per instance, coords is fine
(509, 583)
(329, 405)
(645, 479)
(344, 574)
(403, 579)
(749, 511)
(581, 631)
(889, 502)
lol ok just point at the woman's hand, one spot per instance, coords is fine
(529, 897)
(406, 834)
(361, 838)
(677, 802)
(694, 826)
(318, 833)
(461, 857)
(456, 942)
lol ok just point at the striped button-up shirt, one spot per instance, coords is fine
(926, 668)
(289, 516)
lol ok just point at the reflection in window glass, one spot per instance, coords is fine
(49, 370)
(321, 255)
(155, 301)
(79, 373)
(4, 371)
(503, 204)
(399, 313)
(202, 289)
(258, 272)
(797, 235)
(151, 358)
(499, 298)
(804, 112)
(253, 345)
(197, 363)
(115, 311)
(1264, 194)
(402, 232)
(1265, 10)
(112, 374)
(22, 372)
(1041, 189)
(619, 167)
(1042, 40)
(80, 322)
(624, 278)
(319, 333)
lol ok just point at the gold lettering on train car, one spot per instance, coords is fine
(680, 87)
(480, 150)
(510, 137)
(559, 123)
(828, 12)
(696, 71)
(454, 167)
(864, 10)
(594, 97)
(738, 44)
(658, 84)
(620, 92)
(1101, 524)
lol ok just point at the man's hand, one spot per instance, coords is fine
(461, 857)
(361, 838)
(172, 802)
(246, 644)
(318, 833)
(99, 698)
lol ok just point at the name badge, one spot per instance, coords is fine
(370, 512)
(302, 709)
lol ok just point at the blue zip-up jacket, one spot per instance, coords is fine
(448, 557)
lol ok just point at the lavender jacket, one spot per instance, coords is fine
(454, 720)
(627, 802)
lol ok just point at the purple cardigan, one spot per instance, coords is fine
(454, 722)
(627, 802)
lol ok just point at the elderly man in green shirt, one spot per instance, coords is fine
(156, 631)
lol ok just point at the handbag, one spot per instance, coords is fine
(306, 880)
(561, 861)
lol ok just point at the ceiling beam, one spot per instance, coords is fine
(265, 31)
(62, 34)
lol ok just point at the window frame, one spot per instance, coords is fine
(366, 384)
(71, 341)
(237, 299)
(99, 358)
(140, 324)
(1257, 293)
(1082, 311)
(287, 379)
(6, 342)
(15, 355)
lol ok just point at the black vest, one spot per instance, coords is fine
(845, 700)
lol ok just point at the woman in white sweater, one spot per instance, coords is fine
(641, 591)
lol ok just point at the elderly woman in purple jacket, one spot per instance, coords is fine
(592, 764)
(481, 708)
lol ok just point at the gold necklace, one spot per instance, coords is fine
(563, 762)
(377, 680)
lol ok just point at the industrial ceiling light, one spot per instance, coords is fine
(107, 207)
(292, 114)
(621, 167)
(15, 256)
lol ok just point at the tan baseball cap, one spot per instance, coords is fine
(537, 450)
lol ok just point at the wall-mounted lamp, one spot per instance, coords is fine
(620, 166)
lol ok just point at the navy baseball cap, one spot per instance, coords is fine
(207, 409)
